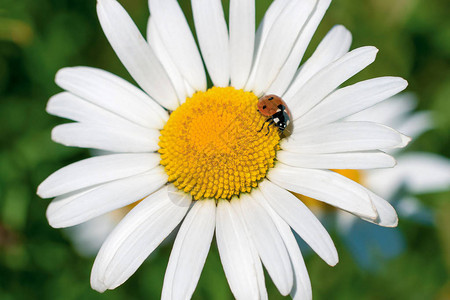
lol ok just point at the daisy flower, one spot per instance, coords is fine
(415, 173)
(196, 156)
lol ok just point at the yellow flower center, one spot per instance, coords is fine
(355, 175)
(211, 147)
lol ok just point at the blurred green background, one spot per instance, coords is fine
(38, 37)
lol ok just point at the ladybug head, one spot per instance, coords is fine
(281, 125)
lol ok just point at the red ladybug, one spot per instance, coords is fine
(276, 109)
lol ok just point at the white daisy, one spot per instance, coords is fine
(415, 172)
(195, 156)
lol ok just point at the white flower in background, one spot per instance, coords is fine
(415, 173)
(194, 155)
(88, 237)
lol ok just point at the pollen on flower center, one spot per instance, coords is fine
(211, 147)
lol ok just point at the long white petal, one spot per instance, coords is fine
(279, 43)
(259, 272)
(115, 139)
(256, 259)
(343, 137)
(180, 44)
(73, 209)
(157, 44)
(289, 69)
(96, 170)
(387, 216)
(189, 251)
(212, 36)
(326, 186)
(113, 94)
(328, 79)
(348, 160)
(270, 18)
(267, 241)
(135, 54)
(69, 106)
(242, 40)
(235, 252)
(351, 99)
(301, 219)
(333, 46)
(302, 285)
(136, 236)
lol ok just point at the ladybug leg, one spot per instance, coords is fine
(268, 126)
(262, 127)
(268, 120)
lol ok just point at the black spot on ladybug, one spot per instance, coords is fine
(271, 98)
(264, 107)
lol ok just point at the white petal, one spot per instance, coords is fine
(135, 54)
(212, 36)
(238, 262)
(259, 273)
(334, 45)
(343, 137)
(387, 216)
(351, 99)
(256, 259)
(328, 79)
(349, 160)
(96, 170)
(73, 209)
(114, 94)
(189, 251)
(179, 42)
(289, 69)
(301, 219)
(279, 43)
(242, 40)
(69, 106)
(136, 236)
(302, 285)
(155, 41)
(325, 186)
(115, 139)
(388, 112)
(270, 17)
(425, 172)
(267, 241)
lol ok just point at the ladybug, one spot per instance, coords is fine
(276, 109)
